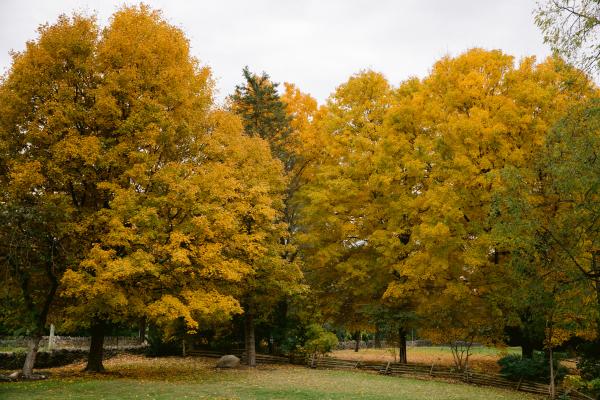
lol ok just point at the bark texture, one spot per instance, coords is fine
(32, 350)
(250, 340)
(402, 346)
(96, 353)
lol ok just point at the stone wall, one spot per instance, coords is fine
(71, 342)
(57, 358)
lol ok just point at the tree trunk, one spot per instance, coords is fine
(596, 270)
(32, 349)
(142, 330)
(526, 349)
(402, 346)
(96, 353)
(40, 318)
(250, 341)
(271, 344)
(51, 338)
(377, 342)
(552, 389)
(356, 341)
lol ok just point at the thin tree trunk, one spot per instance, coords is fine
(356, 341)
(377, 343)
(250, 341)
(96, 353)
(402, 346)
(596, 269)
(51, 338)
(552, 388)
(40, 318)
(32, 349)
(142, 330)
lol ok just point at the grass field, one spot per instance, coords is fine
(136, 377)
(482, 358)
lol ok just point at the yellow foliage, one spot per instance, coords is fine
(173, 204)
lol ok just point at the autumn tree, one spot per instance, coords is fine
(35, 253)
(304, 147)
(550, 220)
(471, 117)
(343, 204)
(46, 146)
(277, 274)
(147, 111)
(194, 213)
(161, 186)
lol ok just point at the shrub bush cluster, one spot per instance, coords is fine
(537, 368)
(589, 368)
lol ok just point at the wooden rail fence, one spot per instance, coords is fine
(411, 369)
(436, 371)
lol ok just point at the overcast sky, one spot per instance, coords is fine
(315, 44)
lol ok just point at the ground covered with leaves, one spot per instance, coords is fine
(484, 359)
(137, 377)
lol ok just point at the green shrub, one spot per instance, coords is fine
(594, 385)
(319, 340)
(515, 367)
(589, 360)
(588, 365)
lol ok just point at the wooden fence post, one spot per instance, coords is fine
(51, 338)
(387, 367)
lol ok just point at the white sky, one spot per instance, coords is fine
(314, 44)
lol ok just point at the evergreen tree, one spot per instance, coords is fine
(263, 113)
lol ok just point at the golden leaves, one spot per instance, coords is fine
(171, 205)
(27, 176)
(193, 306)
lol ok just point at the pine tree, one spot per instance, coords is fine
(263, 113)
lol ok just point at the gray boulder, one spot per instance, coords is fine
(228, 361)
(15, 375)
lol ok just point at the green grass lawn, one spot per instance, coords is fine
(179, 378)
(8, 349)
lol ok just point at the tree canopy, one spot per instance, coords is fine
(463, 204)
